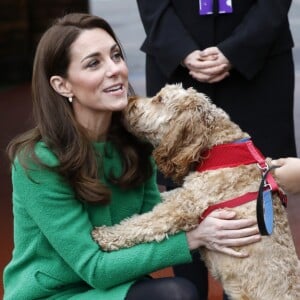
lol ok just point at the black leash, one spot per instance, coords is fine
(264, 205)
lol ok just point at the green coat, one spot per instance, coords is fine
(54, 255)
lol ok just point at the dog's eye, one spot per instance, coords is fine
(157, 99)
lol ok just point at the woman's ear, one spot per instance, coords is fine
(61, 86)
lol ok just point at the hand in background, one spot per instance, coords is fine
(288, 175)
(209, 65)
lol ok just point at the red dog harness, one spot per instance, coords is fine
(242, 152)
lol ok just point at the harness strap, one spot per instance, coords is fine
(244, 152)
(230, 155)
(229, 204)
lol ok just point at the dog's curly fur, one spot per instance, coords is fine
(181, 124)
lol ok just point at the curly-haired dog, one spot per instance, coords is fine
(182, 125)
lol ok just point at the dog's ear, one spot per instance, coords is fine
(183, 145)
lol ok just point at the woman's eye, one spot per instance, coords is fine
(117, 56)
(93, 63)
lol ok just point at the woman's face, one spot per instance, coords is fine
(97, 76)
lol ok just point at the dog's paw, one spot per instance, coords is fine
(99, 237)
(107, 239)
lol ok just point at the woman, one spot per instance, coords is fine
(80, 168)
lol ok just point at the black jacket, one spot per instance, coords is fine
(255, 38)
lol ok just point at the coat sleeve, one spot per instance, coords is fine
(167, 40)
(248, 47)
(65, 224)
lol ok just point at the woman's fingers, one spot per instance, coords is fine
(203, 66)
(219, 231)
(210, 74)
(241, 253)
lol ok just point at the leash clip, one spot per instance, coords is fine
(267, 186)
(264, 167)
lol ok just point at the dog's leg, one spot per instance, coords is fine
(168, 217)
(235, 291)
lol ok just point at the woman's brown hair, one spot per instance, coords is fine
(57, 127)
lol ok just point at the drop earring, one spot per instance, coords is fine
(70, 99)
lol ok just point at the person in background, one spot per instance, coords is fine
(79, 168)
(239, 53)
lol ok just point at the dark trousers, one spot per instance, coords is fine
(196, 272)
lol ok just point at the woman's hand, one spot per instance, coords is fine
(288, 175)
(220, 232)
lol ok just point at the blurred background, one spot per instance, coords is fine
(21, 24)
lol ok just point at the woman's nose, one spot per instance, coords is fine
(113, 68)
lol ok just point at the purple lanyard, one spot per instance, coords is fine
(206, 7)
